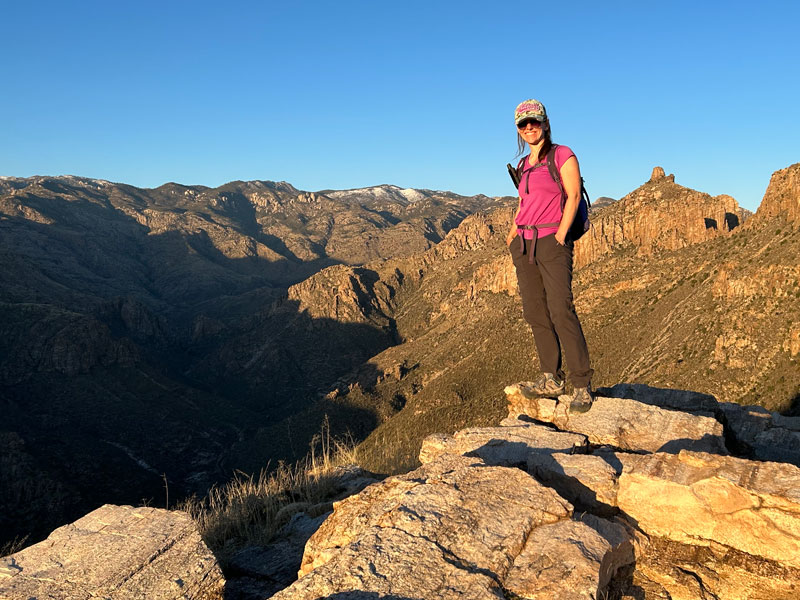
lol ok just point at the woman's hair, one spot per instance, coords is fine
(522, 145)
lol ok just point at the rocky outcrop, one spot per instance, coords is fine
(414, 536)
(530, 509)
(346, 295)
(782, 198)
(660, 215)
(658, 173)
(514, 512)
(116, 552)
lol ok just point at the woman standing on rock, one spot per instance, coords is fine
(542, 256)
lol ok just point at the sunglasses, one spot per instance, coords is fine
(526, 122)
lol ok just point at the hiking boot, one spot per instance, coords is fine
(581, 400)
(548, 386)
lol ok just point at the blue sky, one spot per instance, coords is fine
(418, 94)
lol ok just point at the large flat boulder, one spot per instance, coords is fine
(702, 499)
(450, 529)
(623, 423)
(510, 445)
(116, 552)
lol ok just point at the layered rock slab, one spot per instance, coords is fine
(120, 552)
(623, 423)
(702, 499)
(450, 529)
(688, 572)
(510, 445)
(555, 458)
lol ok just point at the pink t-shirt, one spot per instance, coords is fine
(542, 202)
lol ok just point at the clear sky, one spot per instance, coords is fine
(418, 94)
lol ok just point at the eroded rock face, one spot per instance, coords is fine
(699, 499)
(782, 197)
(116, 552)
(687, 572)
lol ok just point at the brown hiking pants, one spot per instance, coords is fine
(545, 285)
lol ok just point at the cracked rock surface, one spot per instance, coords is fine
(116, 552)
(455, 514)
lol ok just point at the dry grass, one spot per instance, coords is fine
(250, 510)
(14, 546)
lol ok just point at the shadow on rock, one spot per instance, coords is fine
(685, 400)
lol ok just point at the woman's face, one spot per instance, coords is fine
(532, 131)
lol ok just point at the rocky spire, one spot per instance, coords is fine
(658, 175)
(782, 197)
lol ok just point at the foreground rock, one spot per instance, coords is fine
(116, 552)
(623, 423)
(457, 528)
(701, 499)
(606, 504)
(570, 560)
(613, 507)
(508, 446)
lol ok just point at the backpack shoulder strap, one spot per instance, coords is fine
(551, 166)
(521, 164)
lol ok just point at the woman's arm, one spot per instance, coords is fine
(571, 180)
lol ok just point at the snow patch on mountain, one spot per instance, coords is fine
(390, 193)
